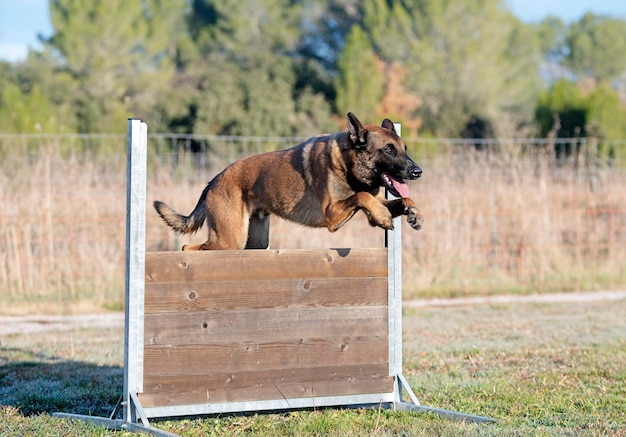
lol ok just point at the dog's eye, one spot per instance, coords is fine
(390, 150)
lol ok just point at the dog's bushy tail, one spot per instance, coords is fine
(179, 222)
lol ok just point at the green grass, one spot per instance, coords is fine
(541, 390)
(550, 369)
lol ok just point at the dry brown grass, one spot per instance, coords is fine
(494, 223)
(500, 223)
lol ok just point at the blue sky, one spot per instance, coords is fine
(22, 20)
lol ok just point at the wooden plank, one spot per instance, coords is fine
(316, 389)
(263, 325)
(176, 297)
(264, 264)
(255, 356)
(226, 380)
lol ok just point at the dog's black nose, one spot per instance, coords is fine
(416, 172)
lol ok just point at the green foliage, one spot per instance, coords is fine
(552, 33)
(245, 81)
(597, 47)
(284, 67)
(606, 114)
(561, 111)
(119, 53)
(592, 48)
(565, 111)
(28, 112)
(246, 30)
(464, 59)
(33, 99)
(360, 82)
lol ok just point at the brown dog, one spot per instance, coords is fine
(319, 183)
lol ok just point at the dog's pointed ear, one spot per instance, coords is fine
(358, 134)
(388, 124)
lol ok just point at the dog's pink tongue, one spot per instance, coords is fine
(401, 187)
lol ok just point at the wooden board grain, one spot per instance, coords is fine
(264, 264)
(177, 297)
(261, 325)
(213, 380)
(281, 390)
(253, 356)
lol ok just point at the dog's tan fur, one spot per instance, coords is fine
(322, 182)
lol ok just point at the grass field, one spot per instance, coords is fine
(539, 369)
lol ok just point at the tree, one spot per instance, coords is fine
(397, 103)
(245, 76)
(120, 53)
(566, 111)
(27, 113)
(324, 26)
(33, 98)
(464, 60)
(606, 114)
(359, 83)
(562, 111)
(552, 34)
(597, 47)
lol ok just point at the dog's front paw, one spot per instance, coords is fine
(381, 218)
(387, 225)
(414, 218)
(385, 222)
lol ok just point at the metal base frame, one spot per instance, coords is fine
(120, 424)
(135, 417)
(145, 427)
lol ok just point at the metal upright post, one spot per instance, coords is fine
(393, 241)
(135, 263)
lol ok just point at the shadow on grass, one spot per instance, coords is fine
(36, 383)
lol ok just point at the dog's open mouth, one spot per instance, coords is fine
(396, 185)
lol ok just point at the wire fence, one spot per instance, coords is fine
(590, 150)
(500, 216)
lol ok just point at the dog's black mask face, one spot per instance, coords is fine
(395, 168)
(395, 165)
(385, 154)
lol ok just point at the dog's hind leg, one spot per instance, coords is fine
(259, 232)
(227, 230)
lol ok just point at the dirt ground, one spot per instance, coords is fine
(505, 323)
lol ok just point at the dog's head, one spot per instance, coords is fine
(381, 156)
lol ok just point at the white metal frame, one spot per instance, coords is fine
(136, 418)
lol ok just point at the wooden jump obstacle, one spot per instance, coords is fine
(257, 330)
